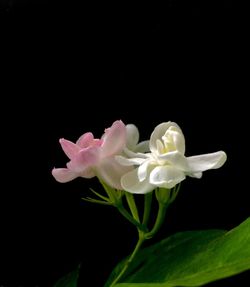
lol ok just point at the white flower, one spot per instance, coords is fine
(165, 165)
(132, 145)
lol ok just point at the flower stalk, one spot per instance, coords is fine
(130, 259)
(132, 205)
(147, 207)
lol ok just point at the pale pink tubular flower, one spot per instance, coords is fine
(91, 157)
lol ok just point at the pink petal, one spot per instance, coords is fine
(69, 148)
(88, 173)
(97, 142)
(63, 174)
(114, 139)
(86, 158)
(85, 140)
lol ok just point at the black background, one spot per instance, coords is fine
(69, 67)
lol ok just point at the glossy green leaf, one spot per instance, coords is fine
(69, 280)
(191, 258)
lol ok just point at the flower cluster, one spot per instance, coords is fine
(121, 162)
(125, 166)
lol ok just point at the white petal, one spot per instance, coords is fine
(142, 147)
(129, 161)
(130, 182)
(133, 154)
(158, 133)
(143, 170)
(160, 146)
(195, 175)
(110, 171)
(177, 137)
(204, 162)
(166, 176)
(175, 159)
(132, 136)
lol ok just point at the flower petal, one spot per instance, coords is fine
(195, 175)
(143, 170)
(142, 147)
(85, 140)
(63, 174)
(177, 137)
(130, 182)
(84, 159)
(160, 147)
(204, 162)
(158, 133)
(166, 176)
(132, 154)
(110, 171)
(69, 148)
(114, 139)
(132, 136)
(129, 161)
(174, 158)
(87, 173)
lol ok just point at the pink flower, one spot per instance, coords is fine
(91, 157)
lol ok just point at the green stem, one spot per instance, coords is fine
(159, 220)
(132, 205)
(147, 207)
(116, 201)
(176, 191)
(131, 258)
(110, 192)
(126, 214)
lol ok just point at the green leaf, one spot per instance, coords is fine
(191, 258)
(69, 280)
